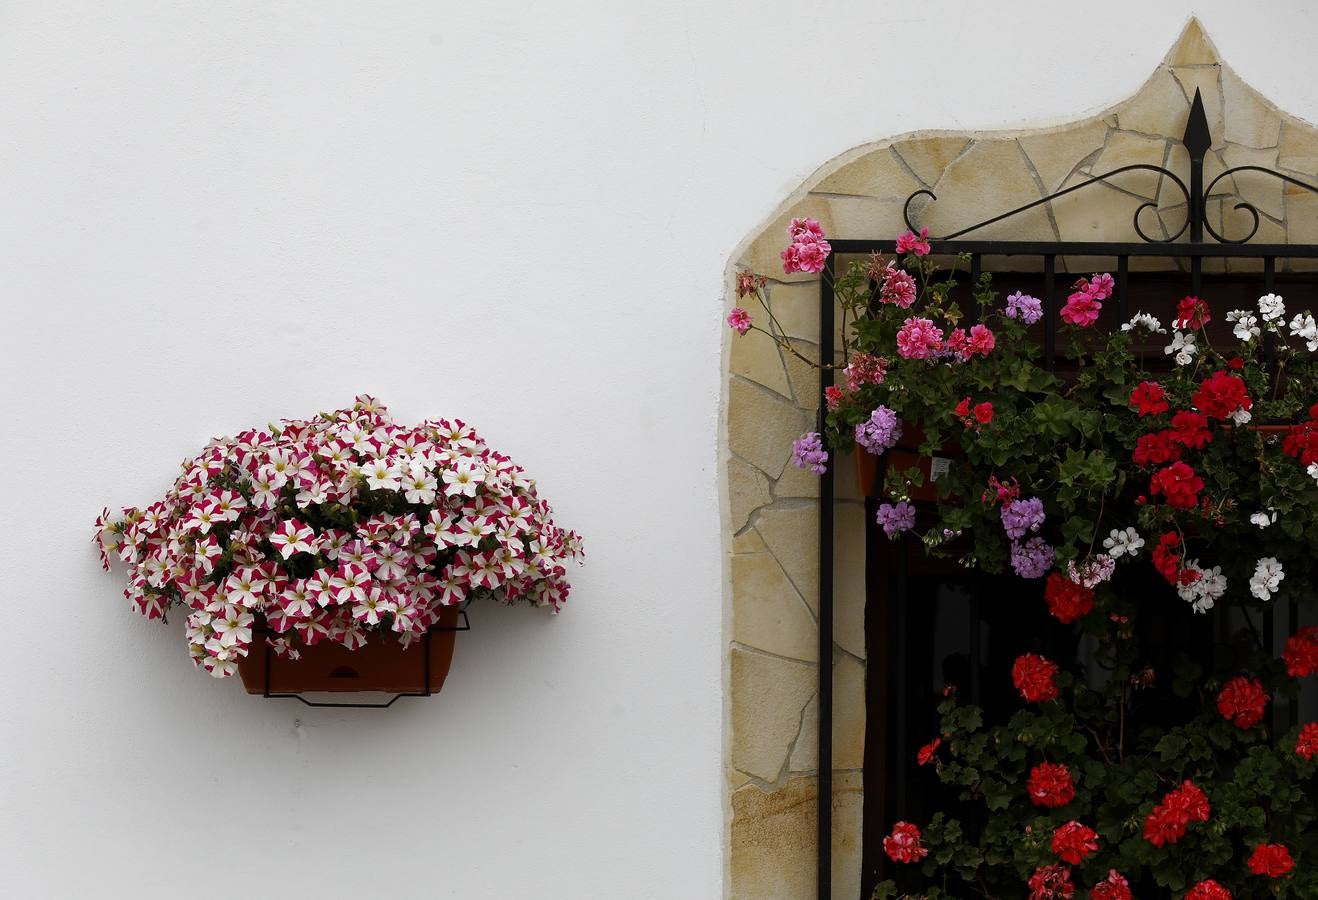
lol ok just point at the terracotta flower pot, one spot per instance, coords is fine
(870, 469)
(381, 664)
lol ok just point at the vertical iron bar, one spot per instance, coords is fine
(972, 307)
(1197, 140)
(901, 680)
(1269, 286)
(824, 835)
(1123, 284)
(976, 637)
(1292, 626)
(1049, 311)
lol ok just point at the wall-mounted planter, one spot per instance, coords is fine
(339, 553)
(378, 665)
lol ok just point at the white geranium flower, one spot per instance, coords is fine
(1272, 308)
(1092, 572)
(1123, 542)
(1183, 345)
(1303, 326)
(1145, 321)
(1206, 590)
(1267, 578)
(1263, 519)
(1313, 471)
(1241, 416)
(1247, 324)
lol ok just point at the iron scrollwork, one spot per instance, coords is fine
(1197, 141)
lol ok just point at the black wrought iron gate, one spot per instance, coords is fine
(1185, 260)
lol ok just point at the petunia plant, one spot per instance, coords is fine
(1155, 464)
(334, 528)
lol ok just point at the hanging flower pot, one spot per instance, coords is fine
(338, 553)
(379, 664)
(872, 468)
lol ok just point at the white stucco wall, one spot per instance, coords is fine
(216, 214)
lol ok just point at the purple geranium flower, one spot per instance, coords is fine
(1024, 307)
(1033, 558)
(880, 432)
(808, 452)
(895, 518)
(1019, 517)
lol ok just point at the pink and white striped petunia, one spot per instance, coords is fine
(350, 584)
(293, 536)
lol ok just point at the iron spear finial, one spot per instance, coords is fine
(1197, 137)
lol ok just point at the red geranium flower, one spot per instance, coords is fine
(1208, 890)
(1273, 860)
(1167, 556)
(1243, 702)
(1221, 394)
(1190, 429)
(1050, 785)
(1306, 745)
(1114, 887)
(1067, 601)
(1167, 823)
(1236, 363)
(1301, 653)
(1156, 449)
(1073, 842)
(926, 754)
(1179, 484)
(984, 413)
(1149, 398)
(1301, 442)
(903, 845)
(1189, 800)
(1192, 312)
(1051, 883)
(1033, 676)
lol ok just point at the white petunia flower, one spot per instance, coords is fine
(1247, 324)
(1272, 308)
(1263, 519)
(1241, 416)
(1304, 326)
(1313, 471)
(1145, 321)
(1123, 542)
(1204, 591)
(1267, 578)
(1183, 345)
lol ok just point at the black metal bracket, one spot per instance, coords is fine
(464, 625)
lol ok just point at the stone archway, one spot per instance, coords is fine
(770, 515)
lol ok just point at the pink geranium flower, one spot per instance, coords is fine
(1081, 309)
(808, 250)
(919, 338)
(909, 242)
